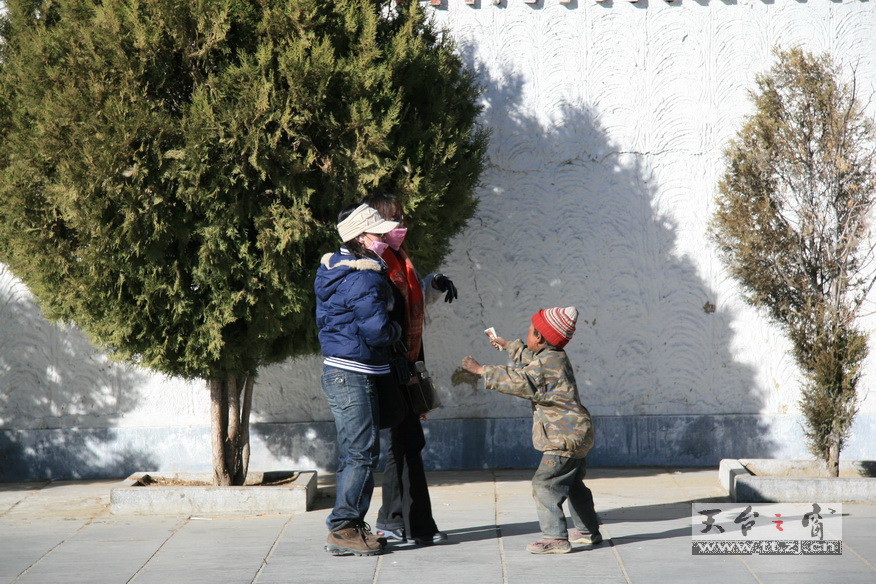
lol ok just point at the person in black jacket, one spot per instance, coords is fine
(353, 301)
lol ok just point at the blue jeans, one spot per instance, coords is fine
(559, 478)
(352, 398)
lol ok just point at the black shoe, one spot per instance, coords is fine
(436, 537)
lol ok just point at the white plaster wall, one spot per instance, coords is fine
(51, 377)
(608, 124)
(609, 121)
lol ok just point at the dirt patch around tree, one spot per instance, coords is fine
(266, 479)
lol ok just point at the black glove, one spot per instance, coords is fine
(444, 284)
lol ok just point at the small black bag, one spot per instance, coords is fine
(401, 370)
(421, 391)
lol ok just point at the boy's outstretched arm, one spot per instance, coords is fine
(498, 342)
(521, 382)
(472, 366)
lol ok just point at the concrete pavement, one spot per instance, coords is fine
(59, 532)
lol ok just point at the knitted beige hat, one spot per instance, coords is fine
(364, 219)
(557, 325)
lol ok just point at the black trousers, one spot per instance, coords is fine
(406, 502)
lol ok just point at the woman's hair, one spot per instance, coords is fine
(385, 203)
(354, 246)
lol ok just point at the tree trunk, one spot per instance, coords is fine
(833, 454)
(230, 406)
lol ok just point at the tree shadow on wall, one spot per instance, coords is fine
(59, 398)
(567, 217)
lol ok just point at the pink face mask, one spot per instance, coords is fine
(378, 247)
(396, 237)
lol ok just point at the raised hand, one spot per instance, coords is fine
(444, 284)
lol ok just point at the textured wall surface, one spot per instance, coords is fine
(608, 123)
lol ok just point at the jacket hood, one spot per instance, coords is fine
(334, 267)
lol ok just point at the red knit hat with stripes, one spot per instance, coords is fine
(556, 325)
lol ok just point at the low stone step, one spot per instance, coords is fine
(264, 494)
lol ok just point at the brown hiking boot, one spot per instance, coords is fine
(366, 531)
(352, 540)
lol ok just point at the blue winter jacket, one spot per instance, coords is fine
(353, 300)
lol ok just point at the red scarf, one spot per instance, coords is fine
(403, 275)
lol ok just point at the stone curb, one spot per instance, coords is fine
(250, 499)
(744, 486)
(728, 470)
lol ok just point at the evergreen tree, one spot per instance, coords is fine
(792, 221)
(171, 171)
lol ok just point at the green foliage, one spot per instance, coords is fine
(829, 401)
(792, 221)
(171, 171)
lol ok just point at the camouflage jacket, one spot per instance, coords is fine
(560, 424)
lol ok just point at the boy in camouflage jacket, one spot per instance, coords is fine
(561, 426)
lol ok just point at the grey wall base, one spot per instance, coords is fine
(451, 444)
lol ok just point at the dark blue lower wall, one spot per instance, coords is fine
(687, 440)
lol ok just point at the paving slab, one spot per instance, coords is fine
(13, 493)
(125, 546)
(64, 532)
(24, 542)
(63, 499)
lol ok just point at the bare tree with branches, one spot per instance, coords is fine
(793, 224)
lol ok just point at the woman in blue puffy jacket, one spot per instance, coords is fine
(353, 301)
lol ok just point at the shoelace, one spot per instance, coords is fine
(363, 528)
